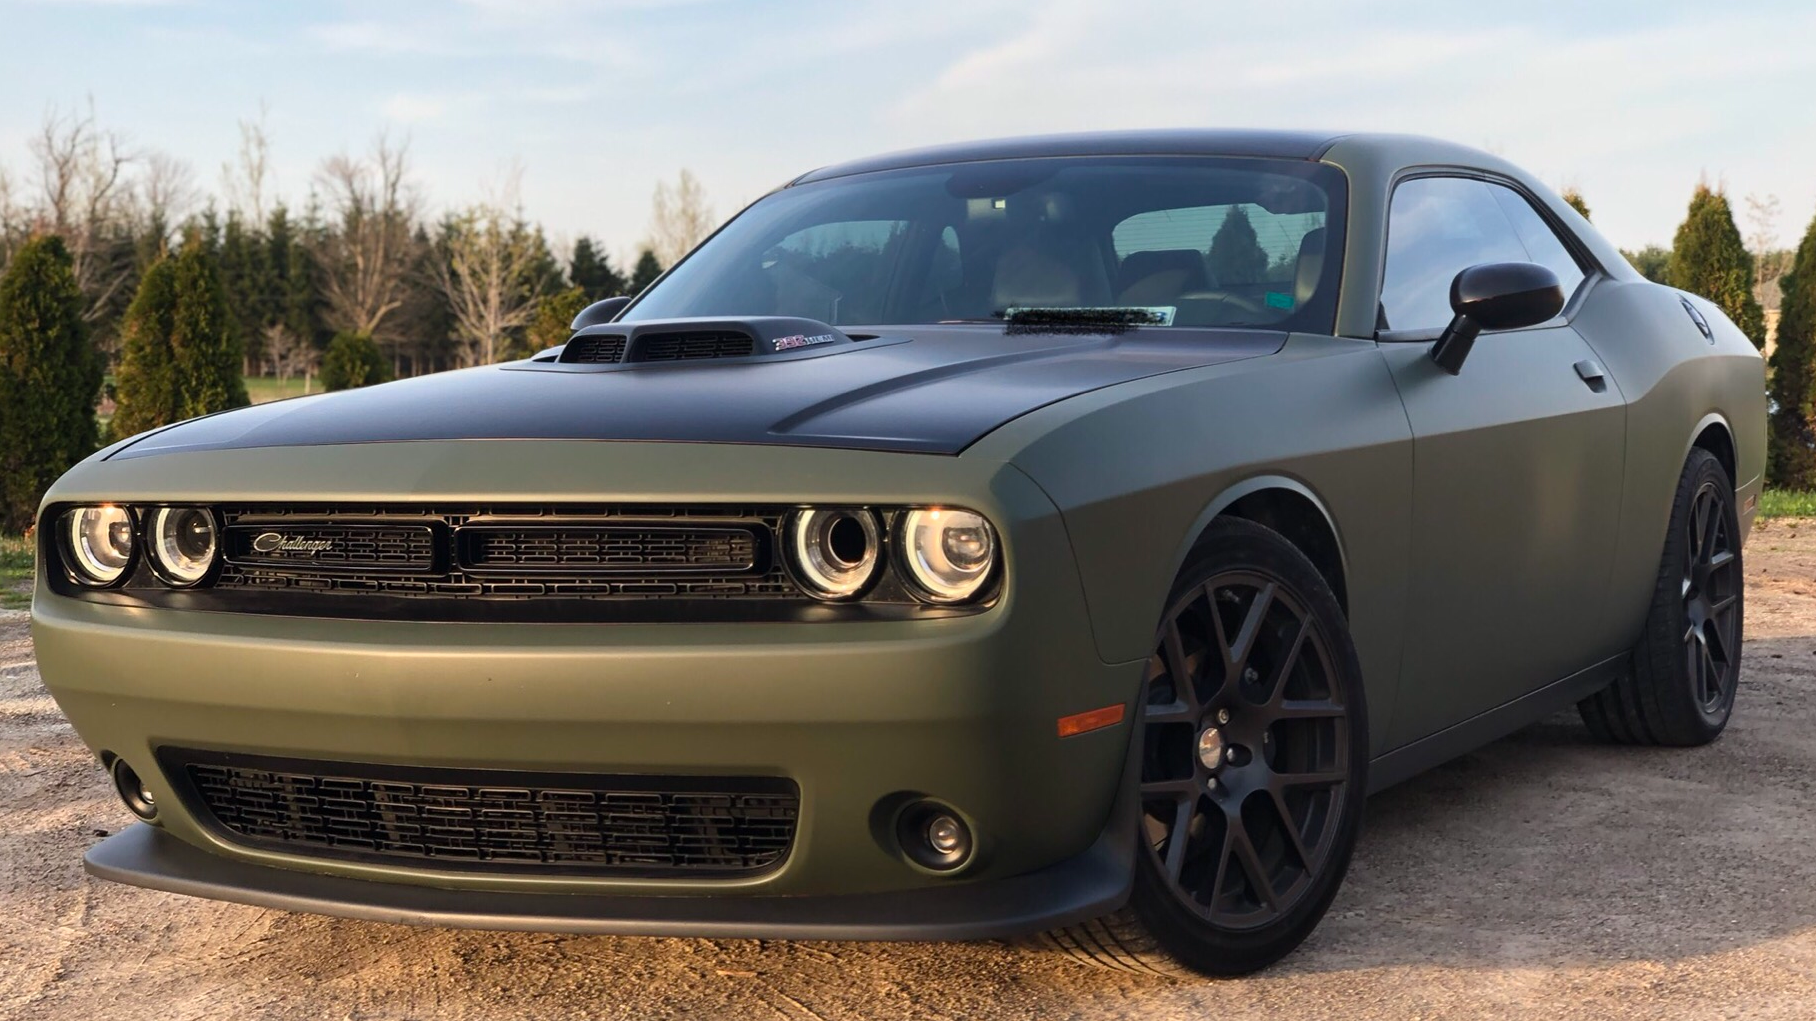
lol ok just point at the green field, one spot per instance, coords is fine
(15, 572)
(270, 388)
(1787, 503)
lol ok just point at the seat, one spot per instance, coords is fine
(1049, 269)
(1161, 277)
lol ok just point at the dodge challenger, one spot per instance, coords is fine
(1059, 535)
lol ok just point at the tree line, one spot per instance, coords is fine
(113, 264)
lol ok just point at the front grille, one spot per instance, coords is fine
(494, 549)
(604, 350)
(668, 347)
(492, 820)
(506, 552)
(323, 546)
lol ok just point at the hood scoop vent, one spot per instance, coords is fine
(687, 340)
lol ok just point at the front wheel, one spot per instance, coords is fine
(1253, 766)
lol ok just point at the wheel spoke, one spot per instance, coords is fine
(1324, 778)
(1251, 630)
(1183, 787)
(1251, 863)
(1180, 836)
(1292, 829)
(1721, 560)
(1712, 688)
(1185, 686)
(1307, 709)
(1277, 690)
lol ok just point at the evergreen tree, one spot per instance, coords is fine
(645, 273)
(353, 360)
(145, 384)
(49, 377)
(1236, 256)
(555, 314)
(1651, 261)
(1792, 458)
(183, 352)
(1709, 258)
(1574, 199)
(592, 271)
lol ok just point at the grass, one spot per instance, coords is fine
(15, 572)
(1787, 503)
(270, 388)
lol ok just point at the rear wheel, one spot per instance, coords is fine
(1253, 766)
(1687, 663)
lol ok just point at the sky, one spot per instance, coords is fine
(1630, 101)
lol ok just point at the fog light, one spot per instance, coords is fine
(133, 791)
(934, 837)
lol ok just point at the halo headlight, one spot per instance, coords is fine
(184, 544)
(100, 542)
(835, 550)
(949, 553)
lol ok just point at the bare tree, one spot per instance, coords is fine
(85, 198)
(489, 274)
(1769, 262)
(365, 257)
(167, 192)
(246, 179)
(680, 218)
(291, 353)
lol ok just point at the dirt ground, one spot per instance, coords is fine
(1544, 876)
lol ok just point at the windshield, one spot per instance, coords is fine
(1185, 241)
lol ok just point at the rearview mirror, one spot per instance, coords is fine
(599, 312)
(1495, 296)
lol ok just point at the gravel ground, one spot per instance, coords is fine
(1544, 876)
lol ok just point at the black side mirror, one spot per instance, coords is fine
(599, 312)
(1495, 296)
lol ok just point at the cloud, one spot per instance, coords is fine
(406, 108)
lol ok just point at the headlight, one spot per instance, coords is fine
(948, 553)
(183, 544)
(834, 550)
(99, 542)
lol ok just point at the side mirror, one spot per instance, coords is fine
(599, 312)
(1495, 296)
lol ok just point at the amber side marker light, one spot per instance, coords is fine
(1096, 719)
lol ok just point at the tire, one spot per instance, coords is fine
(1246, 834)
(1686, 666)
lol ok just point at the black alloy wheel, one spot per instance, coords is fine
(1253, 766)
(1711, 592)
(1686, 666)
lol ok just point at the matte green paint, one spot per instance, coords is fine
(1498, 530)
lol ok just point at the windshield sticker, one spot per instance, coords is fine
(798, 340)
(1277, 300)
(1109, 319)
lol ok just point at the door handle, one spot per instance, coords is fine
(1593, 374)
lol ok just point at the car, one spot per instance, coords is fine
(1059, 535)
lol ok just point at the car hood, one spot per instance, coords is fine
(921, 389)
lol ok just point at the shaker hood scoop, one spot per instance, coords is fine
(789, 382)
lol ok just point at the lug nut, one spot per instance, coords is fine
(1223, 716)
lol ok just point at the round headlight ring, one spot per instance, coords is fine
(99, 543)
(835, 550)
(948, 553)
(185, 543)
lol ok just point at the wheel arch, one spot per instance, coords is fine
(1289, 507)
(1715, 435)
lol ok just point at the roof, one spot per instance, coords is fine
(1299, 145)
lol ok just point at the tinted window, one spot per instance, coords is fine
(1439, 226)
(1213, 242)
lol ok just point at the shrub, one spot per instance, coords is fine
(49, 378)
(353, 360)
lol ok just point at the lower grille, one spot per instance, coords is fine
(492, 820)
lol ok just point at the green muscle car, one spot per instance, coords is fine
(1057, 535)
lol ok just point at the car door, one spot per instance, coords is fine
(1516, 463)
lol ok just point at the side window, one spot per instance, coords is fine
(1436, 228)
(1542, 243)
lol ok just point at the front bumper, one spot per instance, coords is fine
(857, 714)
